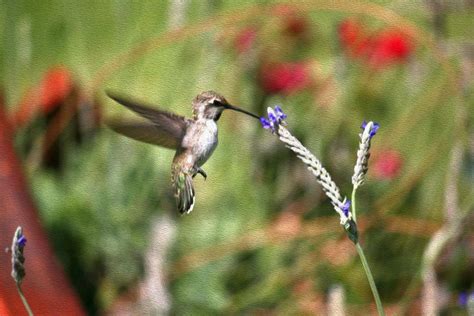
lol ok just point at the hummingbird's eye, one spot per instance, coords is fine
(217, 102)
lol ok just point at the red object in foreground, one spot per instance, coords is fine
(45, 286)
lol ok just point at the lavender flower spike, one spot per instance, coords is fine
(18, 259)
(341, 206)
(276, 123)
(362, 164)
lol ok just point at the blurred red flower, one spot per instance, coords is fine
(55, 86)
(284, 78)
(353, 38)
(389, 47)
(387, 164)
(245, 39)
(379, 49)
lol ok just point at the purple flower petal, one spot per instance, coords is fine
(275, 117)
(462, 300)
(272, 117)
(280, 114)
(346, 207)
(21, 241)
(374, 130)
(265, 123)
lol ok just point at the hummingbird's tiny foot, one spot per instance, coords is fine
(200, 171)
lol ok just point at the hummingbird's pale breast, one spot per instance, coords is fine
(201, 139)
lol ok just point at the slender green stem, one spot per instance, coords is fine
(353, 204)
(23, 299)
(375, 293)
(360, 251)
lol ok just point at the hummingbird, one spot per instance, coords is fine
(194, 139)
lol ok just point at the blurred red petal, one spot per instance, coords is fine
(55, 87)
(390, 47)
(387, 164)
(354, 39)
(349, 32)
(245, 39)
(284, 78)
(377, 50)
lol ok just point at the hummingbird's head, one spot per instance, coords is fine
(210, 104)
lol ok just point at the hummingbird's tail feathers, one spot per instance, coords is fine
(184, 192)
(146, 132)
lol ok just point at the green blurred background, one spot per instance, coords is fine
(262, 239)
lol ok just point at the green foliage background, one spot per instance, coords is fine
(231, 256)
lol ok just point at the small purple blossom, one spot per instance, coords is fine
(265, 123)
(272, 117)
(373, 130)
(21, 241)
(279, 113)
(275, 117)
(465, 297)
(346, 207)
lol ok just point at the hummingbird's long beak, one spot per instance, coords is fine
(231, 107)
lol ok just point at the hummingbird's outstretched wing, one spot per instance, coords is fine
(164, 128)
(146, 132)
